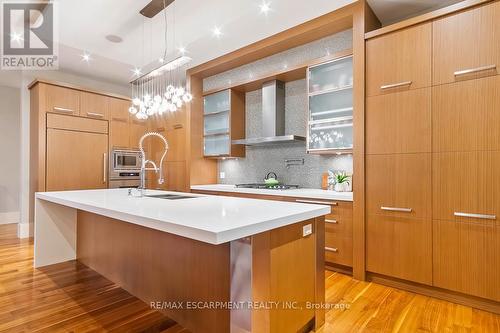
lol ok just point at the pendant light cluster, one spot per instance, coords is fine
(162, 89)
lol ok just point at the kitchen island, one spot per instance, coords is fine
(213, 264)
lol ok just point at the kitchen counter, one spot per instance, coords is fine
(298, 193)
(173, 251)
(209, 219)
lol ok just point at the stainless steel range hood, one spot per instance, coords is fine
(273, 118)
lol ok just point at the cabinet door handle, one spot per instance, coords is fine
(331, 249)
(475, 70)
(56, 108)
(178, 126)
(93, 114)
(124, 120)
(104, 162)
(317, 202)
(396, 209)
(331, 221)
(477, 216)
(395, 85)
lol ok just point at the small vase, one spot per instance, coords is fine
(339, 187)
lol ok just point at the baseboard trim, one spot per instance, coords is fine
(444, 294)
(25, 230)
(10, 217)
(338, 268)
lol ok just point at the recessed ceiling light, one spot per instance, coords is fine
(265, 7)
(161, 60)
(182, 50)
(137, 71)
(114, 38)
(217, 32)
(86, 57)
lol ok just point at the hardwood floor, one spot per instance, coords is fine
(70, 297)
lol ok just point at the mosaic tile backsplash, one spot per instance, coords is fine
(261, 160)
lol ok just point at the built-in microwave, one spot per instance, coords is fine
(125, 164)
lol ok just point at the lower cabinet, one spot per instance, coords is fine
(467, 257)
(76, 160)
(400, 247)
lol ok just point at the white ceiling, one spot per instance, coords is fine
(83, 26)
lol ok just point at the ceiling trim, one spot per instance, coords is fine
(426, 17)
(322, 26)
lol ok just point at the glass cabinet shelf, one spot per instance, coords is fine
(330, 126)
(223, 114)
(331, 76)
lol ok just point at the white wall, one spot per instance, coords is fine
(10, 149)
(26, 225)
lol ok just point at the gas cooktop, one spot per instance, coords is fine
(267, 187)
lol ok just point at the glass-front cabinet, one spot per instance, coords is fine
(330, 90)
(224, 121)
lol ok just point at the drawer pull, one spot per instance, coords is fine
(477, 216)
(56, 108)
(332, 249)
(124, 120)
(331, 221)
(475, 70)
(93, 114)
(396, 209)
(396, 85)
(318, 202)
(178, 126)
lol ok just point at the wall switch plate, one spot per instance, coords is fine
(222, 175)
(307, 230)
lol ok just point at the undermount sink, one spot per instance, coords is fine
(171, 196)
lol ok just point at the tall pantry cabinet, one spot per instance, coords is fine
(433, 153)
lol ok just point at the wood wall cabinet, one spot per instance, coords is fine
(77, 153)
(119, 123)
(94, 105)
(61, 100)
(467, 45)
(466, 115)
(399, 61)
(137, 129)
(399, 122)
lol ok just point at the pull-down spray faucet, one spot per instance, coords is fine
(145, 161)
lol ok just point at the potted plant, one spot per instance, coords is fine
(342, 182)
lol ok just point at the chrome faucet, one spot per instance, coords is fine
(145, 162)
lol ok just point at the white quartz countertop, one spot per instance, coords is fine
(298, 193)
(210, 219)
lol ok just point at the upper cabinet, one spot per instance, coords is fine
(399, 61)
(330, 126)
(62, 100)
(94, 105)
(224, 121)
(467, 45)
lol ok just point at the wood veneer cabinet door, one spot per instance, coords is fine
(177, 144)
(466, 115)
(119, 124)
(467, 257)
(399, 247)
(338, 249)
(468, 41)
(137, 129)
(94, 105)
(399, 185)
(76, 160)
(399, 61)
(466, 183)
(62, 100)
(399, 122)
(176, 176)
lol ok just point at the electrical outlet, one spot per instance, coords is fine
(222, 175)
(307, 230)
